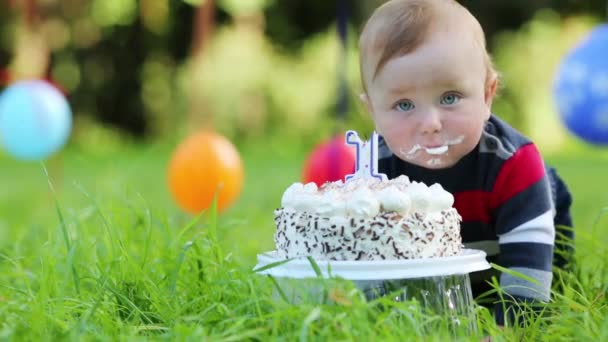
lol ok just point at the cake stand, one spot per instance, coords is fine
(439, 285)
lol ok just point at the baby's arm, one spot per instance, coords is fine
(521, 202)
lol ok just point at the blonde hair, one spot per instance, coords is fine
(399, 27)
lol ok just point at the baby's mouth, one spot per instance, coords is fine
(434, 150)
(416, 149)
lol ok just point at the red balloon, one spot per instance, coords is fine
(330, 161)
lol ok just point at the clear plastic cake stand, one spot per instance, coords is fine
(440, 286)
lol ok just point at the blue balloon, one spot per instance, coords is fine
(35, 120)
(581, 88)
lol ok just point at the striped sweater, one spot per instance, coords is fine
(503, 194)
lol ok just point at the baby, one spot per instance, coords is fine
(428, 85)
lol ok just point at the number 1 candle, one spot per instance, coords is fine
(366, 158)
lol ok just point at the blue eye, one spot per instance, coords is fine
(450, 99)
(405, 105)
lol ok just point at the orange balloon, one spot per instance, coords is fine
(203, 165)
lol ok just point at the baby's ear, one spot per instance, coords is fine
(490, 91)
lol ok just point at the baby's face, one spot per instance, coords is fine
(431, 105)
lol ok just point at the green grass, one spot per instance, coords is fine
(109, 256)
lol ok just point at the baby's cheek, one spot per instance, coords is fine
(395, 126)
(465, 147)
(387, 131)
(396, 134)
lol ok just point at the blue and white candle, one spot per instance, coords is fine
(366, 160)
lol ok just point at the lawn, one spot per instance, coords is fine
(107, 255)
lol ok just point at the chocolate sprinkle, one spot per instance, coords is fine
(387, 235)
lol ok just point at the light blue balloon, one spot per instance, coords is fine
(581, 88)
(35, 120)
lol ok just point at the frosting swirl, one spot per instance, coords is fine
(366, 198)
(363, 203)
(330, 204)
(392, 199)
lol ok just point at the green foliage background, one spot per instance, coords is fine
(128, 64)
(92, 246)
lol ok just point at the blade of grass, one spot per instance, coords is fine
(199, 263)
(129, 303)
(315, 266)
(312, 316)
(515, 274)
(64, 230)
(271, 265)
(279, 289)
(148, 225)
(213, 230)
(245, 335)
(106, 224)
(179, 262)
(188, 226)
(85, 318)
(599, 216)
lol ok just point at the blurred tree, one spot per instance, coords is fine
(111, 86)
(119, 58)
(25, 49)
(202, 30)
(129, 70)
(6, 40)
(499, 15)
(290, 23)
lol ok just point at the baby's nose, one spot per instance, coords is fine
(430, 122)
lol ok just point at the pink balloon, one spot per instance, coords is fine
(330, 161)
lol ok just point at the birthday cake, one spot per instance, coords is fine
(367, 218)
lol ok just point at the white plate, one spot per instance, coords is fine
(470, 260)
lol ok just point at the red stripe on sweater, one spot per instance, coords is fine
(518, 173)
(473, 206)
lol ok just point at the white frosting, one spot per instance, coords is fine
(290, 195)
(392, 199)
(310, 187)
(367, 197)
(403, 179)
(421, 197)
(301, 197)
(442, 200)
(437, 150)
(306, 201)
(330, 205)
(363, 203)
